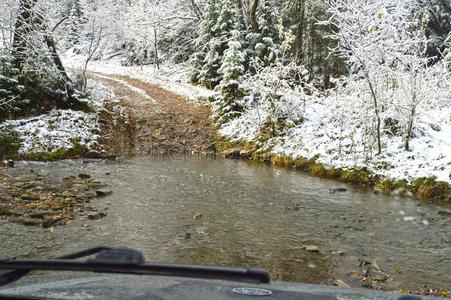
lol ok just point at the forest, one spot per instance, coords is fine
(311, 138)
(349, 83)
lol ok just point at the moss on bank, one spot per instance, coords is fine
(425, 188)
(77, 150)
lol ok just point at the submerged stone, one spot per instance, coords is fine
(444, 212)
(103, 193)
(311, 248)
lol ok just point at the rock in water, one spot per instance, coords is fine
(340, 190)
(8, 163)
(96, 215)
(50, 221)
(84, 176)
(341, 283)
(444, 212)
(311, 248)
(245, 154)
(233, 153)
(103, 193)
(26, 221)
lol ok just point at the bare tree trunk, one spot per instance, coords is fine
(50, 42)
(51, 45)
(300, 32)
(22, 28)
(157, 60)
(376, 112)
(409, 128)
(253, 15)
(30, 20)
(93, 46)
(196, 10)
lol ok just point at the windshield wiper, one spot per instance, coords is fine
(124, 261)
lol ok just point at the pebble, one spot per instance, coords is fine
(103, 193)
(84, 176)
(50, 221)
(29, 197)
(379, 276)
(341, 284)
(234, 153)
(39, 214)
(8, 163)
(96, 215)
(26, 221)
(311, 248)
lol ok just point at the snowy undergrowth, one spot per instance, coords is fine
(339, 145)
(55, 130)
(62, 129)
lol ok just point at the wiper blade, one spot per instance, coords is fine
(9, 276)
(126, 261)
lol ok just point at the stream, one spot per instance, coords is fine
(194, 209)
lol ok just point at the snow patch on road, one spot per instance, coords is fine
(139, 91)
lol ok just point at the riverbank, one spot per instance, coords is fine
(424, 188)
(59, 133)
(314, 146)
(144, 110)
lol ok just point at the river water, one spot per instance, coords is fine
(224, 212)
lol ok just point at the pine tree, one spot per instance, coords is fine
(10, 89)
(202, 43)
(223, 18)
(231, 70)
(438, 19)
(266, 41)
(74, 25)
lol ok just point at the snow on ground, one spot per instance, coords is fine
(62, 128)
(55, 130)
(321, 133)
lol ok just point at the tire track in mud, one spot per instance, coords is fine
(145, 118)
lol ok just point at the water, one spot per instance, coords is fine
(224, 212)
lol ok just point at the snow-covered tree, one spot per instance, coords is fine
(276, 90)
(229, 18)
(265, 41)
(10, 88)
(230, 88)
(372, 36)
(202, 44)
(74, 25)
(152, 25)
(437, 16)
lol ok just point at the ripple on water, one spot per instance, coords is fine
(251, 215)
